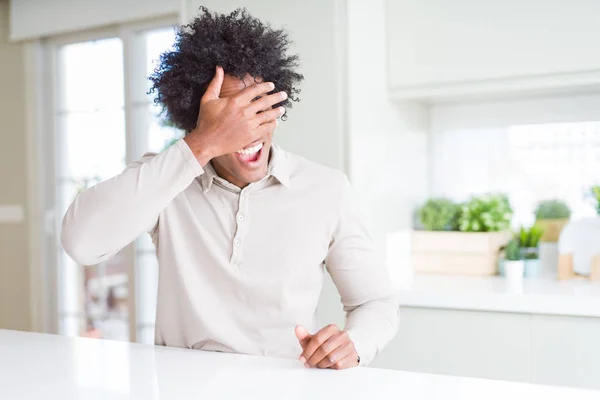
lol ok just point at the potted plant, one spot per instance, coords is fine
(513, 263)
(461, 239)
(529, 240)
(488, 213)
(439, 214)
(552, 216)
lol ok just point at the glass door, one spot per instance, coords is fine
(90, 147)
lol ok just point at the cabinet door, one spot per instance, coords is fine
(464, 343)
(565, 351)
(433, 43)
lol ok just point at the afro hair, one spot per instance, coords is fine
(238, 42)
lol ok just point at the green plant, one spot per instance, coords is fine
(487, 213)
(530, 237)
(596, 193)
(512, 251)
(552, 209)
(529, 240)
(439, 214)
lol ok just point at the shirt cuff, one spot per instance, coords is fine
(366, 349)
(189, 157)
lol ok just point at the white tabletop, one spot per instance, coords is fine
(36, 366)
(577, 297)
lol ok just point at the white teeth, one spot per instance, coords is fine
(250, 150)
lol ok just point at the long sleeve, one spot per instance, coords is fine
(364, 285)
(107, 217)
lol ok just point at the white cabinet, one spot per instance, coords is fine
(542, 349)
(469, 46)
(565, 351)
(464, 343)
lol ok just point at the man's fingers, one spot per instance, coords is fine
(267, 128)
(269, 115)
(337, 355)
(266, 102)
(253, 91)
(351, 360)
(214, 87)
(318, 339)
(325, 356)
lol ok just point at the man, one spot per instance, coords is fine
(243, 230)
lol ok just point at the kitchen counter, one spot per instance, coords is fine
(576, 297)
(37, 366)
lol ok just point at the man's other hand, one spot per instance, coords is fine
(328, 348)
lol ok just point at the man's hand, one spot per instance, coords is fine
(328, 348)
(226, 125)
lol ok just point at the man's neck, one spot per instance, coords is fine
(229, 177)
(224, 174)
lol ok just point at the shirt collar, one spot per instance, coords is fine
(279, 165)
(279, 168)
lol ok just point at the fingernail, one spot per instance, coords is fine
(284, 95)
(271, 85)
(302, 360)
(281, 110)
(306, 365)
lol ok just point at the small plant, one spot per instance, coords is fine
(512, 251)
(439, 214)
(552, 209)
(596, 193)
(530, 237)
(529, 240)
(487, 213)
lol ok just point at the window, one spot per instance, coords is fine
(529, 162)
(103, 119)
(553, 161)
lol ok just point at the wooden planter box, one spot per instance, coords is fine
(459, 253)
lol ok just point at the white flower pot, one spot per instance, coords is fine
(514, 270)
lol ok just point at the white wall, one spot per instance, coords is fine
(37, 18)
(440, 41)
(388, 142)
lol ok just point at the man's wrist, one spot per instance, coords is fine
(201, 151)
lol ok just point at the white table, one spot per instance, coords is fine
(36, 366)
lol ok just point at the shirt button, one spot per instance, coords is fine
(236, 242)
(241, 217)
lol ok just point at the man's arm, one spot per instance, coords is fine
(110, 215)
(367, 295)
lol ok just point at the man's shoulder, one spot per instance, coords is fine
(305, 171)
